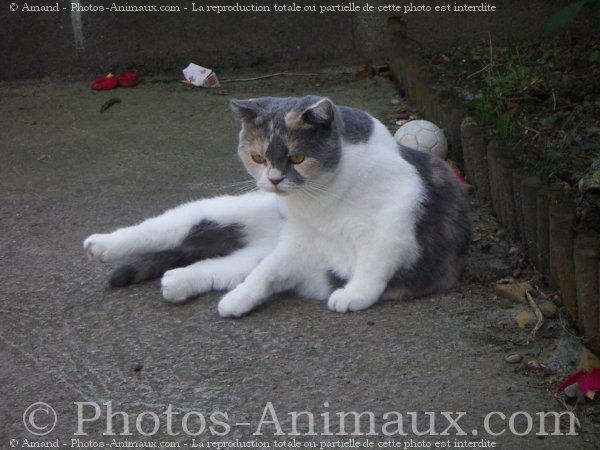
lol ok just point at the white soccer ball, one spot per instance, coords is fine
(423, 135)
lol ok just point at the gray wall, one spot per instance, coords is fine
(35, 45)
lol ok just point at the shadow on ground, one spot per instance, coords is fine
(68, 171)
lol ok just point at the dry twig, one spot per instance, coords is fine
(538, 314)
(262, 77)
(533, 130)
(489, 65)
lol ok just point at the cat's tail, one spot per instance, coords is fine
(205, 240)
(149, 267)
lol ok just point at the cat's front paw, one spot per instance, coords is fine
(235, 303)
(178, 285)
(344, 300)
(101, 247)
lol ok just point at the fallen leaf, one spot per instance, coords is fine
(366, 71)
(548, 309)
(512, 109)
(525, 319)
(588, 361)
(515, 292)
(403, 115)
(482, 234)
(440, 59)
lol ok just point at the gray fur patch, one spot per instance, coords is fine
(205, 240)
(358, 125)
(311, 126)
(443, 230)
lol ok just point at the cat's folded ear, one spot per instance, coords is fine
(321, 114)
(245, 110)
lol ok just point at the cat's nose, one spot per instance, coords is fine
(275, 181)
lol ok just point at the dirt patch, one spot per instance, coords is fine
(541, 97)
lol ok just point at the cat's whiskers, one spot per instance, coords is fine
(322, 190)
(240, 187)
(240, 183)
(318, 193)
(242, 190)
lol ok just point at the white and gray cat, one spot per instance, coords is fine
(342, 213)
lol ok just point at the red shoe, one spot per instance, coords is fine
(129, 79)
(105, 83)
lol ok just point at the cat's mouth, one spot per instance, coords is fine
(276, 189)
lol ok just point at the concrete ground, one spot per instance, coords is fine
(68, 171)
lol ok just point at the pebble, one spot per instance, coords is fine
(514, 359)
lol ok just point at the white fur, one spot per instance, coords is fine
(362, 227)
(258, 212)
(359, 222)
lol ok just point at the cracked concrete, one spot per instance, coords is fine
(68, 171)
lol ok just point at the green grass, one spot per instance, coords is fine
(510, 89)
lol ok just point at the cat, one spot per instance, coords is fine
(343, 213)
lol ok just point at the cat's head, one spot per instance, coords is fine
(289, 144)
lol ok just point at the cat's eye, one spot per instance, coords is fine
(258, 159)
(297, 158)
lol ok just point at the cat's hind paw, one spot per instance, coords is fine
(345, 300)
(99, 247)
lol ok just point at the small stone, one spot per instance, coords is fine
(513, 359)
(534, 365)
(395, 101)
(138, 367)
(525, 319)
(468, 318)
(548, 309)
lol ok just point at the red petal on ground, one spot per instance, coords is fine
(129, 79)
(590, 383)
(105, 83)
(572, 379)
